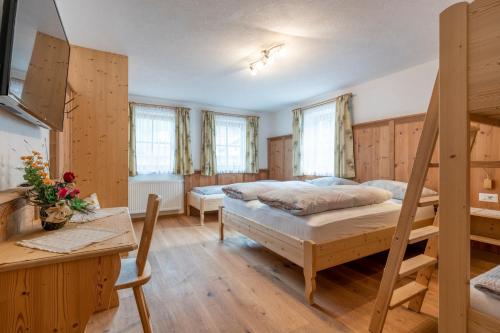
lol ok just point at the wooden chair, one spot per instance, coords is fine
(136, 271)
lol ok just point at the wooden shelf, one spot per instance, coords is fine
(487, 240)
(8, 196)
(484, 212)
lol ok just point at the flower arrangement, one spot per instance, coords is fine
(58, 200)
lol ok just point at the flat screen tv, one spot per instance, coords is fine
(34, 60)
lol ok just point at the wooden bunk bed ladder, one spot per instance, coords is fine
(396, 268)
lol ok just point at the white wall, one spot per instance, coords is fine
(401, 93)
(265, 125)
(17, 138)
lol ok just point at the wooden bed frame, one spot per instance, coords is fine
(204, 203)
(311, 256)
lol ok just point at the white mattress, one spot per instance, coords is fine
(483, 302)
(326, 226)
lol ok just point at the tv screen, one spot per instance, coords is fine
(35, 40)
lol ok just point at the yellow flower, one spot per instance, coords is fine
(48, 181)
(46, 164)
(34, 152)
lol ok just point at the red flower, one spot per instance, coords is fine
(74, 193)
(69, 177)
(63, 192)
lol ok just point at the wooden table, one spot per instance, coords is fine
(51, 292)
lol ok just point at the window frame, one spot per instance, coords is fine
(228, 168)
(320, 147)
(153, 114)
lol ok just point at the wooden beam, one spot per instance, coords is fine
(485, 120)
(475, 164)
(454, 171)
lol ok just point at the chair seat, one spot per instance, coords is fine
(129, 278)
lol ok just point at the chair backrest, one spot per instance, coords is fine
(147, 231)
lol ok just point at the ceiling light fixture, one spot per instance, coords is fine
(268, 57)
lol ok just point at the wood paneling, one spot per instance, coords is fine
(373, 144)
(48, 64)
(407, 134)
(482, 57)
(99, 131)
(373, 152)
(486, 148)
(280, 157)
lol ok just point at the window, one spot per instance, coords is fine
(230, 143)
(319, 141)
(154, 139)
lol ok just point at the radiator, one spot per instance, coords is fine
(171, 191)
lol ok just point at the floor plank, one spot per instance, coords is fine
(202, 285)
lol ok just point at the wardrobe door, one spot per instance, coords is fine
(276, 152)
(287, 158)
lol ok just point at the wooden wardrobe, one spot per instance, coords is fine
(280, 152)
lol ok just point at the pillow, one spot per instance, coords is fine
(208, 190)
(93, 201)
(398, 189)
(329, 181)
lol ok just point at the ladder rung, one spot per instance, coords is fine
(405, 293)
(410, 266)
(420, 234)
(428, 201)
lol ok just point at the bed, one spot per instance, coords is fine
(484, 313)
(318, 241)
(205, 199)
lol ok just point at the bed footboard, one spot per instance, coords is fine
(302, 253)
(312, 257)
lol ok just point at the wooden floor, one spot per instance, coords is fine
(202, 285)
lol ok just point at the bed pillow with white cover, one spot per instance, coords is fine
(489, 282)
(329, 181)
(250, 191)
(208, 190)
(311, 200)
(398, 189)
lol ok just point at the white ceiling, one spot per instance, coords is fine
(199, 50)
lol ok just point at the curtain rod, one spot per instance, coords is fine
(155, 105)
(233, 115)
(327, 101)
(174, 107)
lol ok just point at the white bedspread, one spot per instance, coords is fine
(326, 226)
(483, 302)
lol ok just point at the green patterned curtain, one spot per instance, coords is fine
(208, 161)
(252, 156)
(297, 133)
(183, 160)
(344, 143)
(132, 163)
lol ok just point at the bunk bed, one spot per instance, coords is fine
(467, 89)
